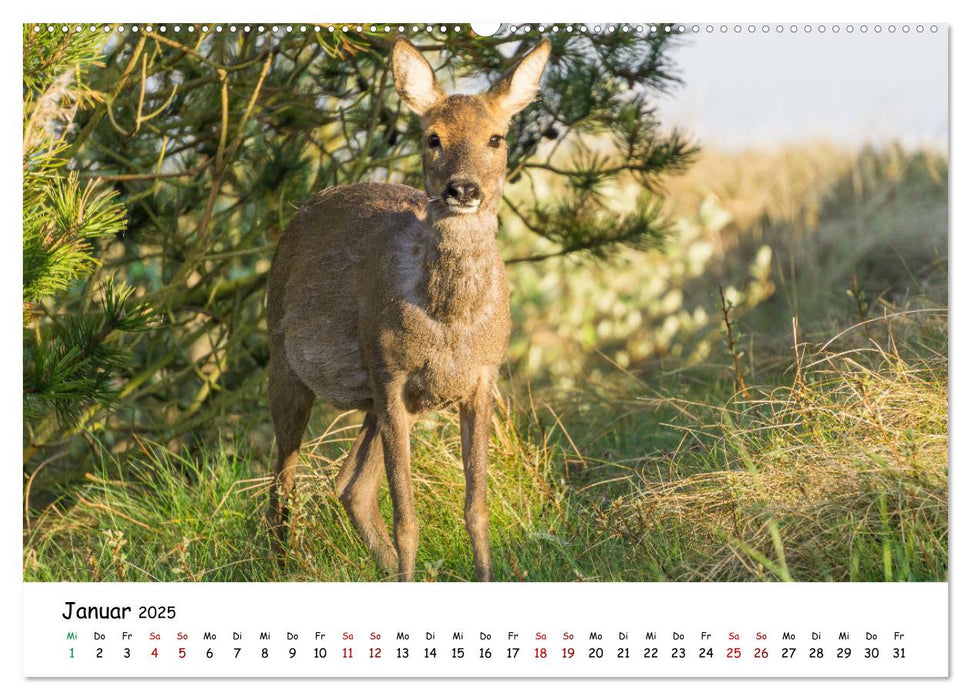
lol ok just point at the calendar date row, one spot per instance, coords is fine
(488, 652)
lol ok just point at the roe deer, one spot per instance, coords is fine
(393, 301)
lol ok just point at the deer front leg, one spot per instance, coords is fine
(475, 417)
(394, 423)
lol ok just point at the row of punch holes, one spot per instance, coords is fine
(521, 29)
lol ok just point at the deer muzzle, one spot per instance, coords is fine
(462, 196)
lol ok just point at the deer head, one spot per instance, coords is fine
(464, 136)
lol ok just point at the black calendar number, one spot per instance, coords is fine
(402, 652)
(433, 653)
(650, 652)
(127, 653)
(898, 653)
(788, 652)
(265, 653)
(238, 649)
(209, 653)
(623, 653)
(843, 653)
(596, 653)
(458, 652)
(871, 653)
(677, 653)
(706, 652)
(321, 652)
(156, 612)
(293, 652)
(485, 653)
(98, 655)
(816, 653)
(512, 652)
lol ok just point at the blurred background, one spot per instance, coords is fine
(727, 256)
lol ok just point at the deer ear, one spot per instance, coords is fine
(413, 77)
(519, 86)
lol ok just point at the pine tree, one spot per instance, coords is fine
(71, 353)
(211, 139)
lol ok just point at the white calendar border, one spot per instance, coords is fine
(544, 10)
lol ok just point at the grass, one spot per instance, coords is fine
(839, 475)
(634, 443)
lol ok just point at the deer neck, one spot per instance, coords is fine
(459, 259)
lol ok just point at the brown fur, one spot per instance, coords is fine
(394, 301)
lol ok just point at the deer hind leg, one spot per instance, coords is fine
(290, 404)
(357, 487)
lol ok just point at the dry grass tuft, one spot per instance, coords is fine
(841, 475)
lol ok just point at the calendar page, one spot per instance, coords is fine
(518, 350)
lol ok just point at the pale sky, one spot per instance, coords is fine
(768, 89)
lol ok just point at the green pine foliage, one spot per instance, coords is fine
(72, 323)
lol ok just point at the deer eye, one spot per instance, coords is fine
(495, 141)
(433, 141)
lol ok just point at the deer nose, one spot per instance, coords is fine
(463, 191)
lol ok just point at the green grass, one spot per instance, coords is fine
(200, 517)
(841, 474)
